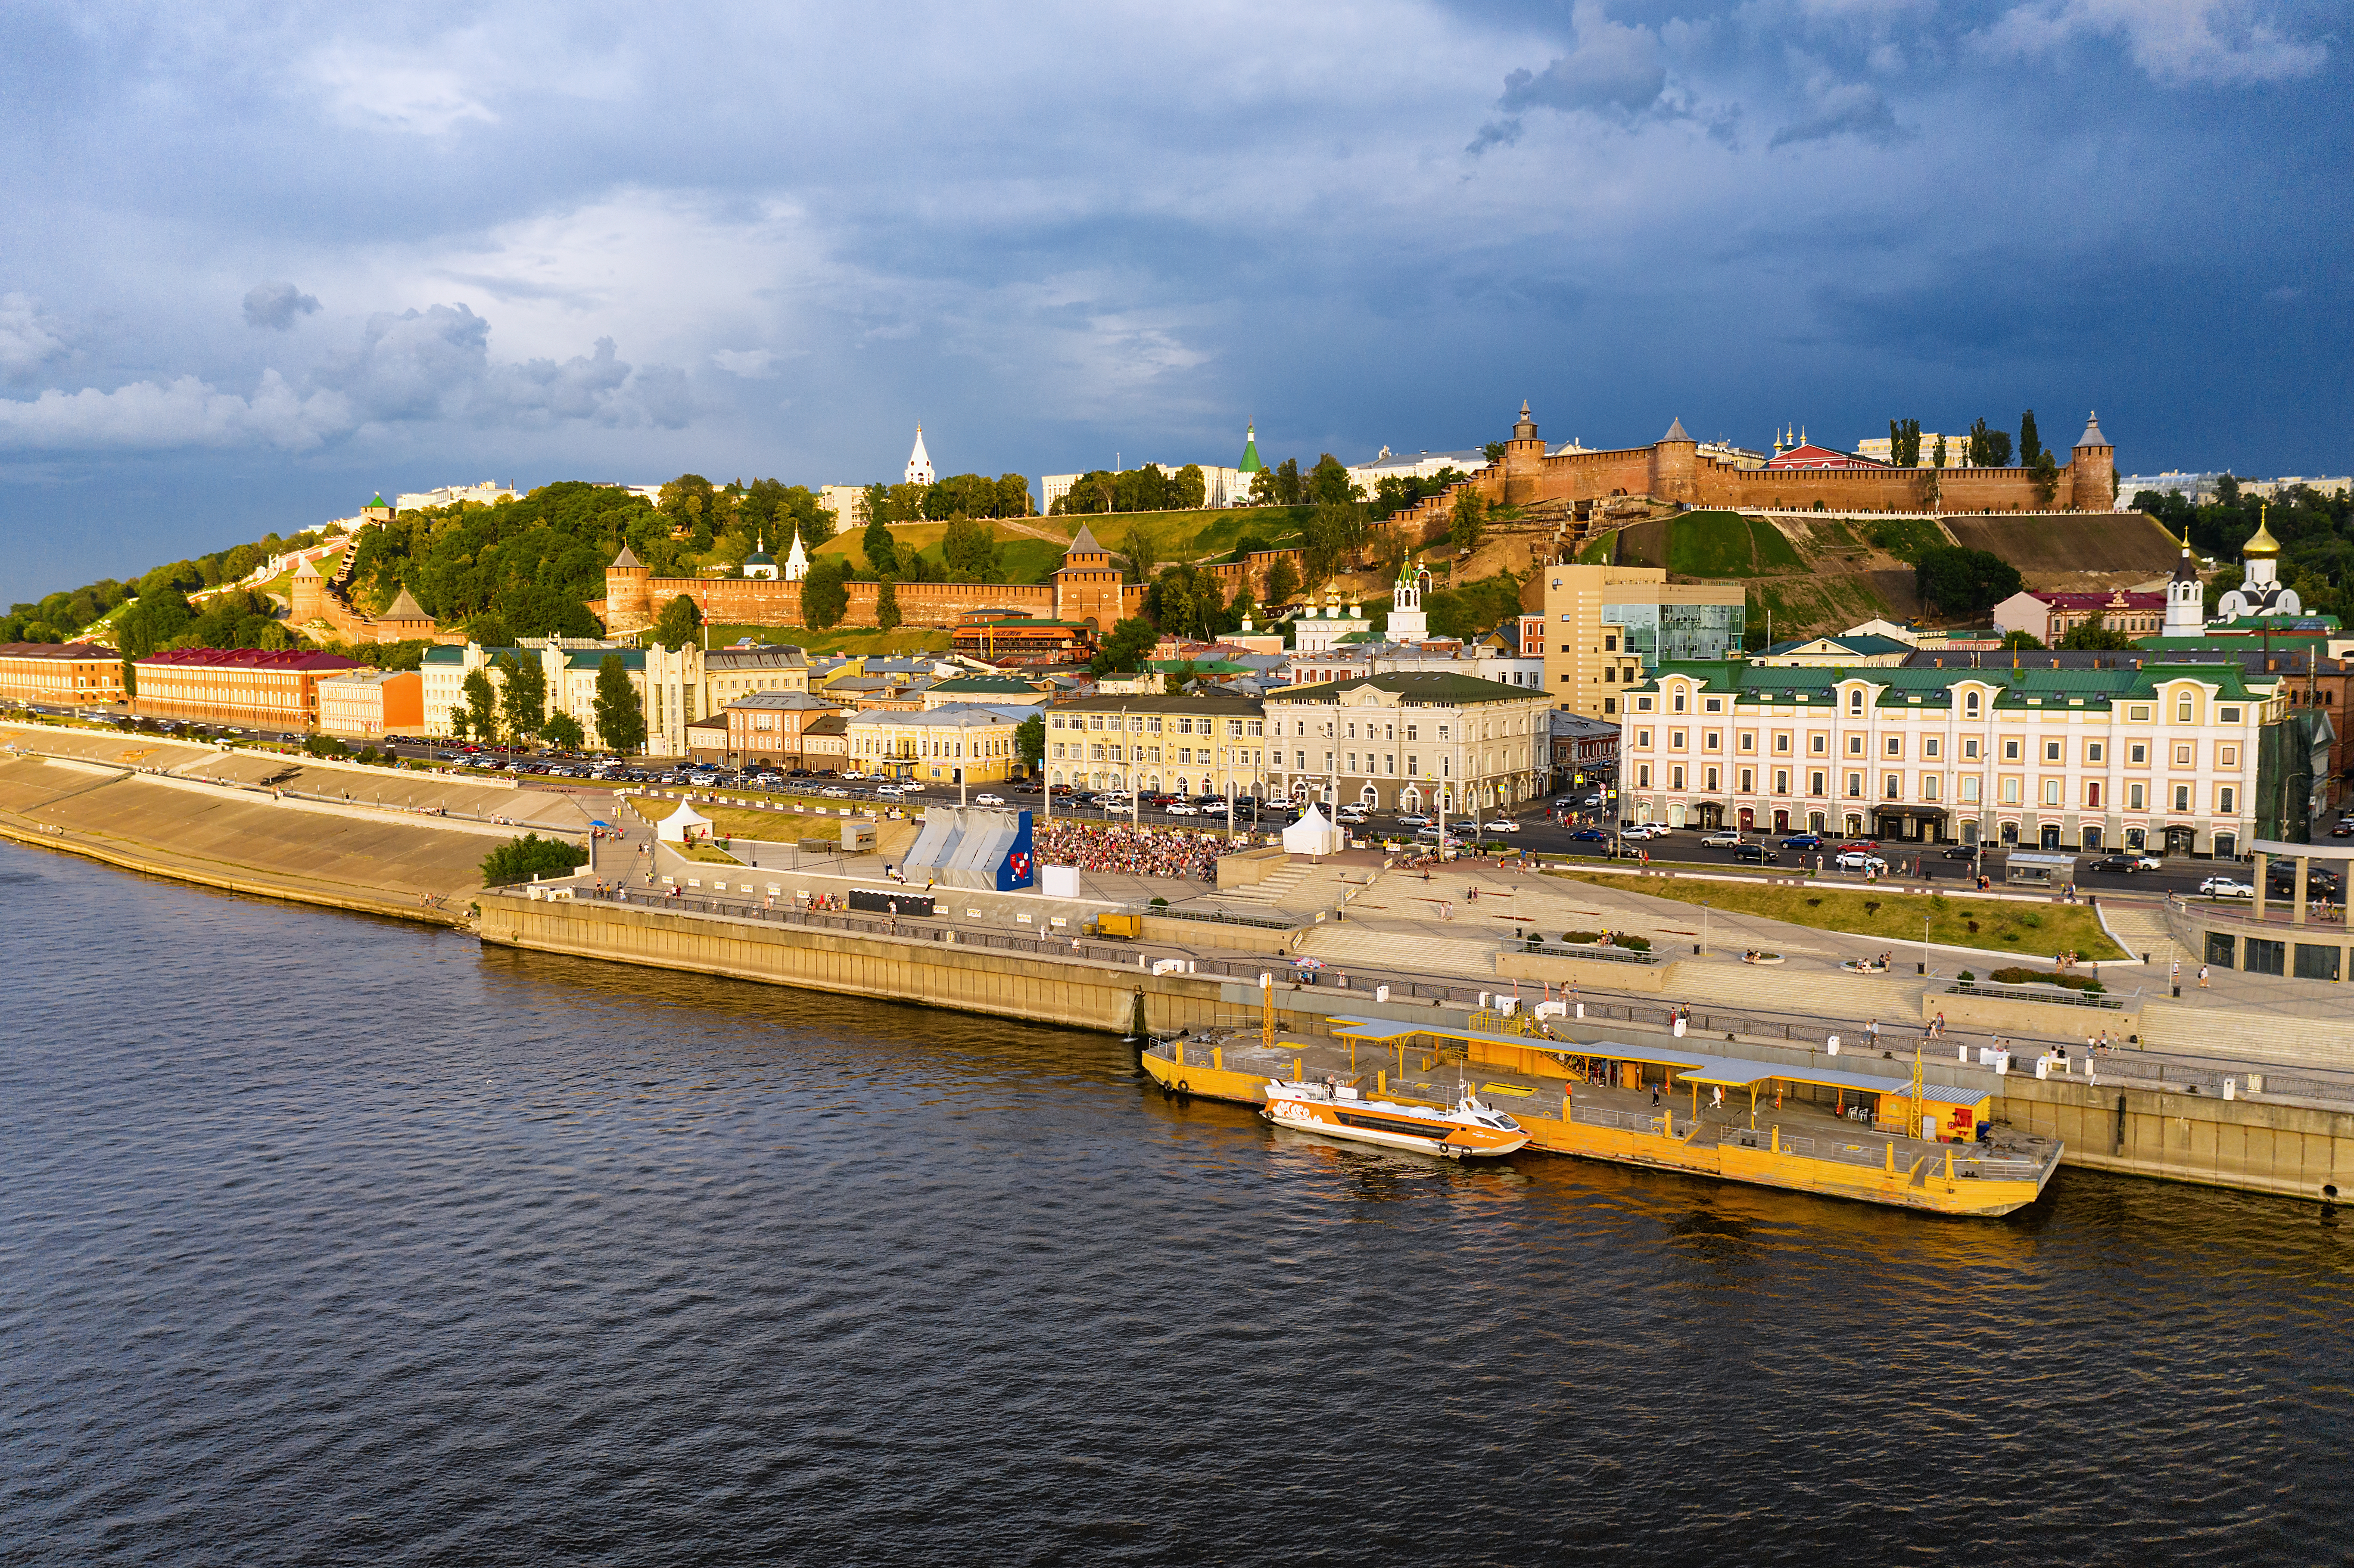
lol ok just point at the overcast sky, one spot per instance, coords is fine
(261, 260)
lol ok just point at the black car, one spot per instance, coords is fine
(2116, 864)
(1756, 854)
(2280, 881)
(1961, 851)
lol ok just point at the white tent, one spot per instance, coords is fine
(1314, 834)
(674, 827)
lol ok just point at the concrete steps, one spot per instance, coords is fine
(2274, 1037)
(1269, 891)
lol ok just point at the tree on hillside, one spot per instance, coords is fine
(2046, 469)
(1904, 442)
(523, 695)
(620, 717)
(881, 550)
(1988, 448)
(1263, 491)
(490, 630)
(1493, 452)
(2030, 445)
(1331, 535)
(2096, 632)
(1289, 491)
(1188, 488)
(1030, 741)
(825, 596)
(886, 605)
(1329, 482)
(152, 623)
(1127, 645)
(1282, 582)
(2026, 641)
(676, 625)
(1187, 602)
(482, 706)
(1013, 495)
(1959, 582)
(970, 547)
(1138, 553)
(562, 731)
(687, 501)
(520, 860)
(1469, 523)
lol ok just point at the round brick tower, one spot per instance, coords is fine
(1523, 461)
(306, 595)
(629, 598)
(2093, 470)
(1675, 466)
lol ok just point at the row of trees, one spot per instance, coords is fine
(969, 550)
(515, 707)
(1984, 447)
(1145, 489)
(1954, 581)
(959, 496)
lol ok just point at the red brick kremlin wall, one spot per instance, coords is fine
(634, 597)
(1673, 470)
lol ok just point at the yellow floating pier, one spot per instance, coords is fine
(1843, 1134)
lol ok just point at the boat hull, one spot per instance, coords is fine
(1363, 1124)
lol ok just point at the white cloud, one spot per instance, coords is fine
(382, 90)
(2224, 42)
(27, 341)
(276, 305)
(751, 364)
(185, 412)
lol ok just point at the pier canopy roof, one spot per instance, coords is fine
(1688, 1065)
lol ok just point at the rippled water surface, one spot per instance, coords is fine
(330, 1241)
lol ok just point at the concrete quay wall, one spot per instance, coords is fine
(1038, 988)
(2294, 1150)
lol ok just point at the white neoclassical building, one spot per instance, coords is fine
(2144, 756)
(1409, 739)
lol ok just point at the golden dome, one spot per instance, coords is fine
(2263, 543)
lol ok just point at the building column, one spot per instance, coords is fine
(2257, 909)
(2296, 917)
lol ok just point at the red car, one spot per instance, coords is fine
(1862, 846)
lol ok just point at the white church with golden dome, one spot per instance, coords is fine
(2261, 592)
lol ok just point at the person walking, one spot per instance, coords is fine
(1872, 1032)
(2203, 977)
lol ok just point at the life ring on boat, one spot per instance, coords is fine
(1183, 1088)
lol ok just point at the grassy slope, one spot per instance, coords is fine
(1710, 545)
(2031, 931)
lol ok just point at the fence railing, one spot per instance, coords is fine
(1583, 951)
(2060, 994)
(1220, 918)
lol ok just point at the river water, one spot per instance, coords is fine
(327, 1240)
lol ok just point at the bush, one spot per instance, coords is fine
(1574, 938)
(1965, 977)
(2017, 975)
(1160, 904)
(1639, 944)
(519, 860)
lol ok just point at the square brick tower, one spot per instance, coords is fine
(1086, 585)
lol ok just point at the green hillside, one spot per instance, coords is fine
(1727, 544)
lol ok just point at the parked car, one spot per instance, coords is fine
(835, 792)
(986, 799)
(1590, 835)
(1183, 808)
(1960, 851)
(2226, 887)
(1501, 825)
(1858, 860)
(1412, 819)
(1803, 842)
(1860, 846)
(2342, 831)
(2114, 864)
(2149, 862)
(1723, 838)
(1756, 854)
(1649, 831)
(890, 793)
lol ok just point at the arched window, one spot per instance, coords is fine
(1970, 704)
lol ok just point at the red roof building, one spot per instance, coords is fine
(68, 673)
(1813, 455)
(237, 685)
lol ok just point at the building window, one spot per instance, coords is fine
(2050, 751)
(1642, 705)
(1928, 786)
(1711, 740)
(1643, 738)
(1855, 785)
(2134, 797)
(2137, 753)
(1781, 781)
(1814, 783)
(1715, 704)
(1969, 790)
(2138, 712)
(2183, 756)
(1855, 702)
(1970, 704)
(1892, 787)
(2225, 797)
(1679, 701)
(2092, 794)
(2182, 710)
(2227, 756)
(1609, 704)
(2182, 797)
(1748, 780)
(1675, 778)
(1748, 740)
(1895, 745)
(1610, 641)
(1929, 746)
(2010, 790)
(1712, 784)
(2227, 716)
(1818, 744)
(1782, 745)
(1642, 775)
(2011, 751)
(1676, 739)
(2052, 791)
(1855, 746)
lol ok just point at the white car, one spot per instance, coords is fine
(835, 791)
(1183, 808)
(1412, 819)
(2224, 888)
(1646, 831)
(2149, 863)
(1723, 838)
(1856, 860)
(889, 791)
(988, 799)
(1501, 825)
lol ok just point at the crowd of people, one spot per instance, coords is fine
(1135, 851)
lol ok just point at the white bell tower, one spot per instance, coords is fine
(2185, 599)
(1407, 623)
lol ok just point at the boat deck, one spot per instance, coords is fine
(1790, 1138)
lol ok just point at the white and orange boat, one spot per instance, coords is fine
(1465, 1129)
